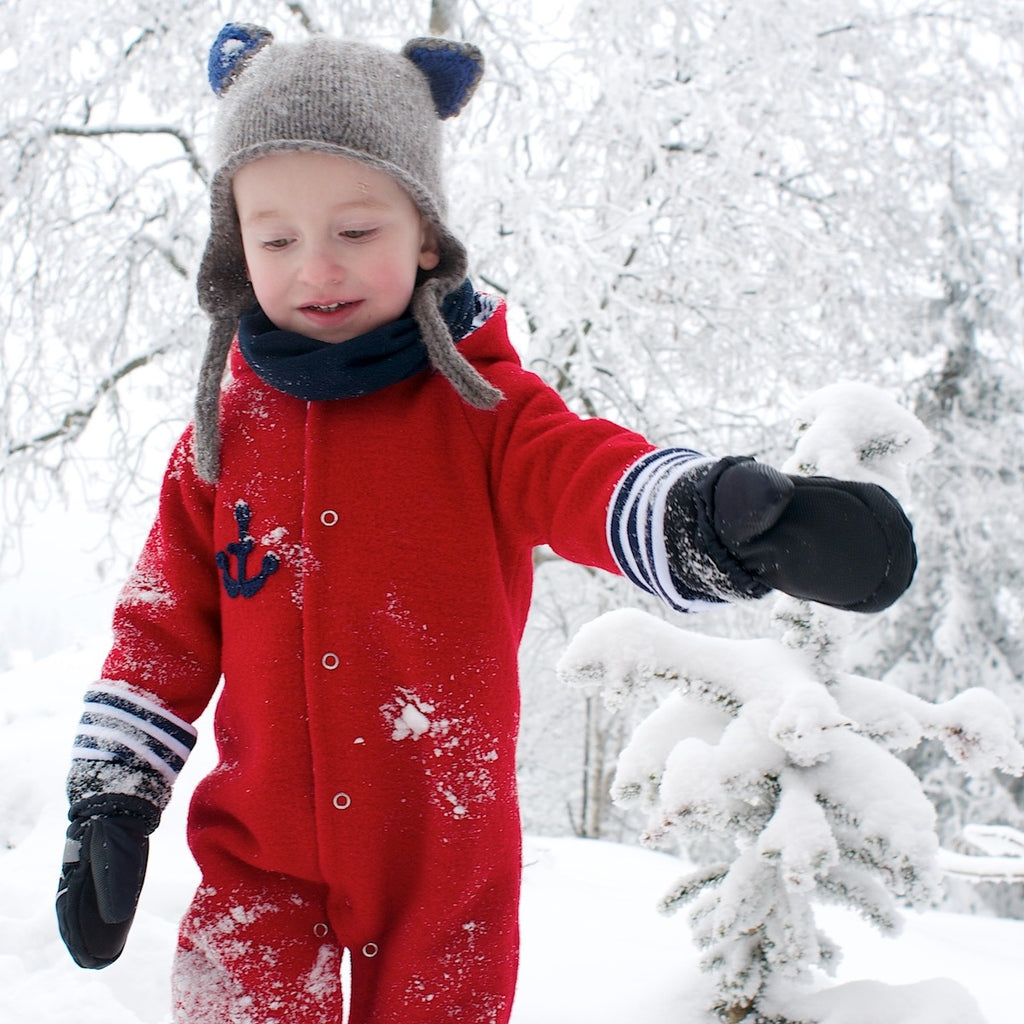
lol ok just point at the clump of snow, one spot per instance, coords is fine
(856, 432)
(147, 586)
(628, 652)
(408, 716)
(869, 1002)
(799, 837)
(457, 755)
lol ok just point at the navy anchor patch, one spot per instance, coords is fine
(244, 585)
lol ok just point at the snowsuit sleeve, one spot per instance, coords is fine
(591, 489)
(136, 730)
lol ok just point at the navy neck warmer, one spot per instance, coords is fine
(318, 370)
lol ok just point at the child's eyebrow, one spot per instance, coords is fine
(355, 205)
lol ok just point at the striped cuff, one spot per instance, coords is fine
(127, 743)
(636, 526)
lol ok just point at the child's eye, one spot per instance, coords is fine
(357, 234)
(276, 243)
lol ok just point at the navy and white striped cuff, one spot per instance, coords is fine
(128, 743)
(636, 525)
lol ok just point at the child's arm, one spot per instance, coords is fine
(127, 755)
(692, 530)
(135, 732)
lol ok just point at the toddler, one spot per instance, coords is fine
(345, 534)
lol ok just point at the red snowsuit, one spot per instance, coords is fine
(361, 576)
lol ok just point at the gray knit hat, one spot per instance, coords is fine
(358, 101)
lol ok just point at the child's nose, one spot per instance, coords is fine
(322, 265)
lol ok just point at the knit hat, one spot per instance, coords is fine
(353, 100)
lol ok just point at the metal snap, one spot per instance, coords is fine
(342, 801)
(329, 517)
(330, 661)
(370, 950)
(321, 931)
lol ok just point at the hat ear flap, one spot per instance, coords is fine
(236, 44)
(453, 71)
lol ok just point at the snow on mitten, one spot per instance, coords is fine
(104, 867)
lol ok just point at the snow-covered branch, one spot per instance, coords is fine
(101, 131)
(975, 727)
(75, 420)
(301, 11)
(1002, 859)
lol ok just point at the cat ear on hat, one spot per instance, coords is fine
(453, 71)
(235, 45)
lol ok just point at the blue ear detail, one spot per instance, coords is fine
(452, 69)
(235, 44)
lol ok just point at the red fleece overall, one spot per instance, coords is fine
(361, 576)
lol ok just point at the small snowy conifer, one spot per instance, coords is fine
(768, 747)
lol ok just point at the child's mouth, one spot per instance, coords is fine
(332, 308)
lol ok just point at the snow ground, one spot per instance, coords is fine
(595, 950)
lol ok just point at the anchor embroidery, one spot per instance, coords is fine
(244, 585)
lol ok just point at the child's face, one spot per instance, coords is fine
(332, 245)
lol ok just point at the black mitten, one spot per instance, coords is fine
(104, 867)
(837, 542)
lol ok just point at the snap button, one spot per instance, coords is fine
(330, 661)
(321, 930)
(342, 801)
(329, 517)
(370, 950)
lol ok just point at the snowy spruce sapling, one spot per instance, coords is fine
(786, 766)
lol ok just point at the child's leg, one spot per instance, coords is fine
(462, 985)
(258, 952)
(438, 969)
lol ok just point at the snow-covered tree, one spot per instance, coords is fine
(961, 626)
(791, 763)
